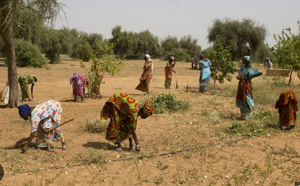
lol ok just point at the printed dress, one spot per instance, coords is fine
(24, 81)
(146, 77)
(78, 81)
(168, 73)
(287, 107)
(50, 109)
(244, 97)
(122, 110)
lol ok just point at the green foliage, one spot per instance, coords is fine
(183, 50)
(51, 44)
(278, 81)
(180, 54)
(167, 103)
(28, 55)
(84, 51)
(244, 37)
(222, 66)
(190, 45)
(263, 123)
(287, 49)
(104, 63)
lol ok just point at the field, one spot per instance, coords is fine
(203, 145)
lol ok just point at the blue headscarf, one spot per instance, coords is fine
(24, 109)
(247, 58)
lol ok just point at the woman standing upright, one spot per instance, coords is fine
(146, 76)
(168, 71)
(204, 79)
(244, 98)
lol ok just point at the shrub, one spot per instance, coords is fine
(94, 127)
(167, 103)
(28, 55)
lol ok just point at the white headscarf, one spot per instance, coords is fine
(148, 59)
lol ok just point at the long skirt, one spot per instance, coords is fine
(203, 85)
(168, 82)
(144, 85)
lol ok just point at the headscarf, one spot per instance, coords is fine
(172, 58)
(247, 58)
(24, 109)
(148, 109)
(147, 57)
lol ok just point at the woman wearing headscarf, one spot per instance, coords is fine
(204, 79)
(123, 112)
(78, 82)
(147, 75)
(244, 97)
(44, 119)
(168, 71)
(287, 107)
(268, 63)
(24, 81)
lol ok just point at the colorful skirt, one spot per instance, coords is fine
(46, 139)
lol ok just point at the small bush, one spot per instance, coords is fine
(28, 55)
(278, 81)
(95, 127)
(167, 103)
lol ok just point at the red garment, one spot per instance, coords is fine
(287, 107)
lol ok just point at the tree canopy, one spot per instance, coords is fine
(244, 37)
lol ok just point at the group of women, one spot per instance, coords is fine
(123, 110)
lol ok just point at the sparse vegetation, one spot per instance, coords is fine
(167, 103)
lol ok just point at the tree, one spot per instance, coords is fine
(104, 63)
(287, 50)
(244, 37)
(147, 43)
(51, 44)
(125, 42)
(10, 10)
(222, 65)
(190, 45)
(169, 43)
(84, 51)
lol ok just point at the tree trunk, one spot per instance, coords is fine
(7, 36)
(290, 80)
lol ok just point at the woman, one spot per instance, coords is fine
(97, 77)
(204, 79)
(168, 71)
(244, 97)
(43, 118)
(78, 82)
(287, 107)
(123, 111)
(146, 76)
(24, 81)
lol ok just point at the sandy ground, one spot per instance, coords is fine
(211, 157)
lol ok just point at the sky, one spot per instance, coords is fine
(177, 17)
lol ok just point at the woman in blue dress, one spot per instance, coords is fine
(204, 79)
